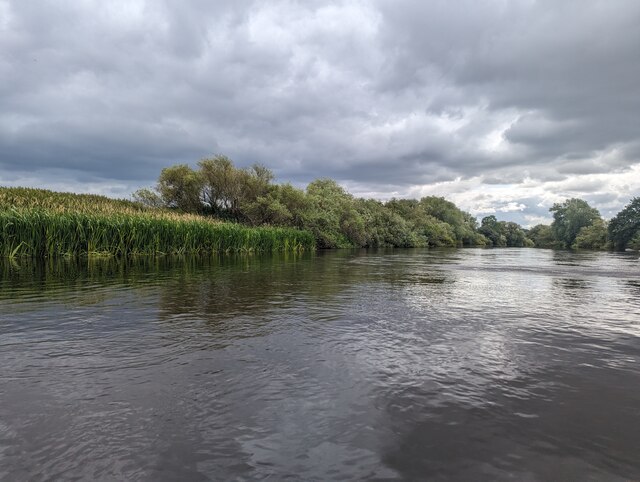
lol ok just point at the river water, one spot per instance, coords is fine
(474, 364)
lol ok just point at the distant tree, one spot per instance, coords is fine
(625, 226)
(444, 210)
(231, 192)
(438, 233)
(148, 197)
(542, 237)
(332, 216)
(281, 205)
(382, 226)
(569, 217)
(492, 230)
(592, 237)
(335, 217)
(463, 224)
(503, 233)
(430, 221)
(296, 202)
(180, 187)
(222, 186)
(408, 209)
(514, 234)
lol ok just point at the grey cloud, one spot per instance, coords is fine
(375, 94)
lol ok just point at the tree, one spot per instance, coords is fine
(542, 237)
(281, 205)
(438, 233)
(492, 230)
(463, 224)
(514, 235)
(430, 220)
(382, 226)
(592, 237)
(332, 216)
(148, 197)
(230, 192)
(407, 209)
(569, 217)
(503, 233)
(222, 186)
(625, 225)
(180, 187)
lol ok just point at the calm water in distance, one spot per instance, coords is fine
(474, 364)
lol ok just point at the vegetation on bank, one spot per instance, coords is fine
(39, 223)
(579, 226)
(334, 217)
(337, 219)
(220, 208)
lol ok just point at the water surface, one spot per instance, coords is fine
(505, 364)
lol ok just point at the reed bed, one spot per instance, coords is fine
(23, 197)
(41, 233)
(66, 202)
(38, 223)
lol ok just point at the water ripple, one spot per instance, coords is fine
(455, 364)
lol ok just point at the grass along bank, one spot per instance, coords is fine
(39, 223)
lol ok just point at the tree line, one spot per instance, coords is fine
(337, 219)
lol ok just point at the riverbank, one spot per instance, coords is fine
(39, 223)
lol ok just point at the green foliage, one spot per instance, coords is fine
(148, 198)
(592, 237)
(325, 214)
(383, 227)
(569, 217)
(436, 222)
(514, 234)
(281, 205)
(503, 233)
(180, 187)
(463, 224)
(231, 193)
(437, 233)
(624, 228)
(332, 216)
(337, 219)
(492, 230)
(542, 237)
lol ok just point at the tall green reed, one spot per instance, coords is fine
(37, 232)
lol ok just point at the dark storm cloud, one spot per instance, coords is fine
(402, 95)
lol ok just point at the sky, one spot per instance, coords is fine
(502, 106)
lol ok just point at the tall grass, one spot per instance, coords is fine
(38, 223)
(24, 197)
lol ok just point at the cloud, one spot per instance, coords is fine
(496, 105)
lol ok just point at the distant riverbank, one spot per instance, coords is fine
(279, 218)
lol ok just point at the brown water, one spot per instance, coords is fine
(506, 364)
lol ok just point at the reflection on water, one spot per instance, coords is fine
(506, 364)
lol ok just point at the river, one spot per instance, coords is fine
(471, 364)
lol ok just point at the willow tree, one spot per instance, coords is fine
(180, 187)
